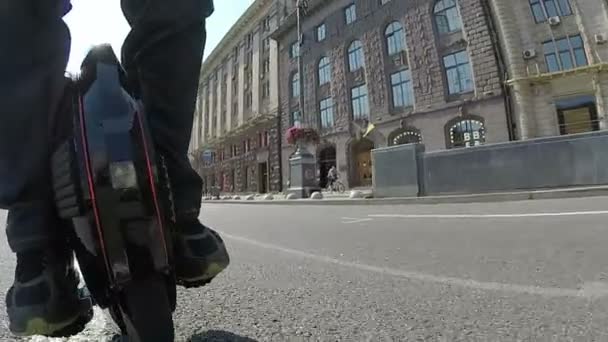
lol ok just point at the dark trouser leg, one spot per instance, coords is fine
(34, 49)
(163, 53)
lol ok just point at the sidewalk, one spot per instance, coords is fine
(344, 199)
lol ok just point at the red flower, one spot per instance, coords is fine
(295, 134)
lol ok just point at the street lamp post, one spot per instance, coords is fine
(302, 164)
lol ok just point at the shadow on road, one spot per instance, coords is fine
(219, 336)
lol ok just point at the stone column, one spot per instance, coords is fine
(273, 77)
(229, 94)
(600, 84)
(241, 88)
(255, 75)
(218, 108)
(210, 113)
(342, 157)
(202, 102)
(521, 95)
(514, 40)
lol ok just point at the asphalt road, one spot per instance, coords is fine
(520, 271)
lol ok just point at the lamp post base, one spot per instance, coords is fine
(303, 173)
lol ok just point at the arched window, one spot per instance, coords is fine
(404, 136)
(295, 85)
(466, 132)
(324, 71)
(447, 16)
(395, 38)
(356, 58)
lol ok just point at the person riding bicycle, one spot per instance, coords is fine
(332, 177)
(162, 55)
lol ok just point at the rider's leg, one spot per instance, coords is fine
(164, 52)
(34, 48)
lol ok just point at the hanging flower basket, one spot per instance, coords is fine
(297, 135)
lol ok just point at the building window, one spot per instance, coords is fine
(458, 72)
(295, 85)
(266, 43)
(327, 113)
(266, 24)
(565, 53)
(263, 139)
(233, 151)
(356, 58)
(324, 71)
(447, 17)
(321, 32)
(360, 102)
(235, 109)
(395, 38)
(577, 115)
(466, 133)
(296, 118)
(266, 67)
(249, 40)
(294, 51)
(402, 89)
(350, 14)
(248, 100)
(404, 136)
(543, 9)
(266, 90)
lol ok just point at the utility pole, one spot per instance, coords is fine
(301, 7)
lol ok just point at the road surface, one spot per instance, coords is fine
(519, 271)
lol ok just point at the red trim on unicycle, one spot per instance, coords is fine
(151, 180)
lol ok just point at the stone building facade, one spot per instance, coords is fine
(418, 71)
(557, 53)
(235, 139)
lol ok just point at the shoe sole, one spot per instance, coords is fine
(212, 271)
(70, 327)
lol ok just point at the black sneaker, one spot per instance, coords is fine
(200, 254)
(45, 300)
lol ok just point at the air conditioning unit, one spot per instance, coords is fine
(529, 54)
(600, 39)
(400, 58)
(554, 21)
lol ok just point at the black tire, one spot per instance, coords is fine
(146, 310)
(339, 187)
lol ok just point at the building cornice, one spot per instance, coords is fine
(595, 68)
(243, 25)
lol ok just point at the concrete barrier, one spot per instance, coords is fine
(556, 162)
(395, 172)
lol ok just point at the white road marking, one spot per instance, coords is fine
(351, 220)
(485, 216)
(96, 330)
(591, 290)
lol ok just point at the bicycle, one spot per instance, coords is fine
(336, 186)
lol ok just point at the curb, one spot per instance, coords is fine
(476, 198)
